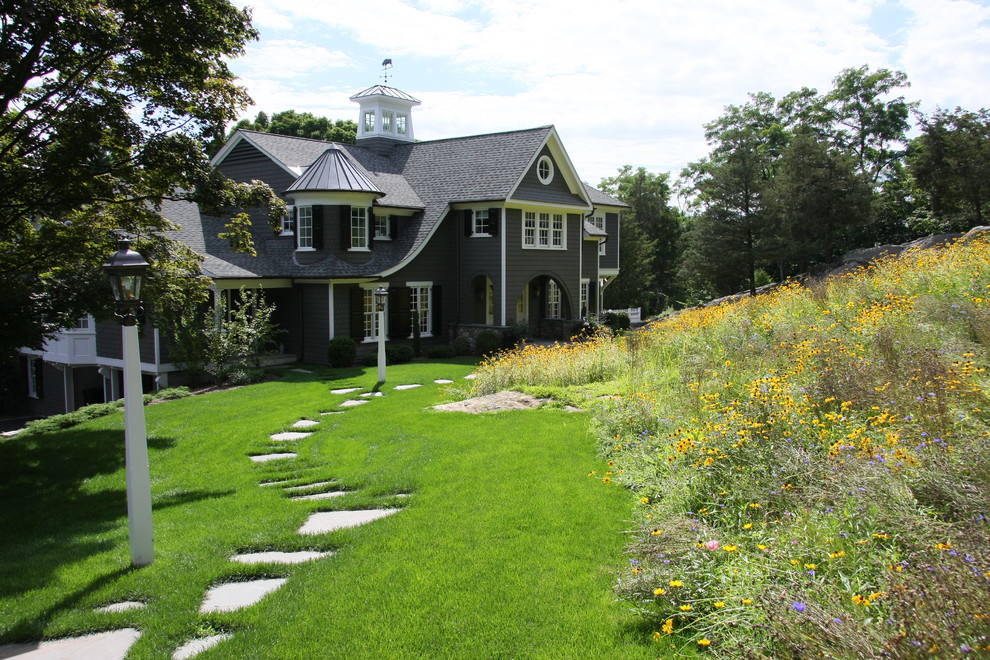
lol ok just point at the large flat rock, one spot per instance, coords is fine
(275, 557)
(197, 646)
(110, 645)
(235, 595)
(329, 521)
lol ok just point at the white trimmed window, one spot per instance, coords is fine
(480, 224)
(553, 300)
(544, 170)
(34, 377)
(369, 121)
(544, 230)
(401, 124)
(599, 222)
(383, 227)
(289, 221)
(304, 219)
(359, 228)
(388, 119)
(584, 297)
(420, 307)
(371, 314)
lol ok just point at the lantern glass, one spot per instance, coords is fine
(381, 296)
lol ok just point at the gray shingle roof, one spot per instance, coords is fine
(599, 198)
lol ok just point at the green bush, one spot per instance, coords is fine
(462, 345)
(371, 359)
(440, 352)
(246, 376)
(617, 321)
(399, 354)
(487, 342)
(68, 420)
(341, 352)
(168, 394)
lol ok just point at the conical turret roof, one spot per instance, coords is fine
(332, 171)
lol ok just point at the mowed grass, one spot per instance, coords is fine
(503, 547)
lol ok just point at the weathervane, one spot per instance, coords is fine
(386, 65)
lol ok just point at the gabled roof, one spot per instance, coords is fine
(599, 198)
(333, 172)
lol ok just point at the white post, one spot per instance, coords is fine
(136, 454)
(381, 346)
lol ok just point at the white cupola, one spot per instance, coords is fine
(386, 113)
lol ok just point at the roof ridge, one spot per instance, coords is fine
(287, 137)
(480, 135)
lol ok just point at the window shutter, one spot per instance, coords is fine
(468, 221)
(345, 229)
(436, 300)
(399, 312)
(493, 218)
(357, 313)
(369, 227)
(393, 227)
(39, 377)
(318, 227)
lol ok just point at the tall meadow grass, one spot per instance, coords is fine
(811, 467)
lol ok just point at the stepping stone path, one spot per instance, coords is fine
(275, 483)
(275, 557)
(443, 381)
(304, 424)
(333, 412)
(316, 484)
(346, 390)
(407, 387)
(264, 458)
(289, 435)
(350, 403)
(319, 496)
(373, 394)
(197, 646)
(329, 521)
(110, 645)
(124, 606)
(235, 595)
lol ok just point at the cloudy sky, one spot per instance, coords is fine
(624, 81)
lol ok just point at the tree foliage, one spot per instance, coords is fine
(303, 124)
(104, 109)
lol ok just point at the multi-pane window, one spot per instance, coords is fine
(370, 316)
(304, 220)
(553, 300)
(599, 222)
(369, 121)
(419, 308)
(543, 230)
(359, 228)
(289, 221)
(387, 118)
(401, 124)
(544, 170)
(481, 226)
(82, 323)
(584, 297)
(383, 227)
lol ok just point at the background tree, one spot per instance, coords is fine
(303, 124)
(104, 109)
(650, 245)
(950, 162)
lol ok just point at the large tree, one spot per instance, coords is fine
(303, 124)
(104, 109)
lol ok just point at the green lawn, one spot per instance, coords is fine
(505, 548)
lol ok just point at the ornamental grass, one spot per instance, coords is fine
(811, 467)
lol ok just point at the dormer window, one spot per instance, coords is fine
(387, 119)
(544, 170)
(369, 121)
(359, 228)
(401, 122)
(383, 227)
(304, 215)
(289, 221)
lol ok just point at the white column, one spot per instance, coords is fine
(136, 454)
(381, 347)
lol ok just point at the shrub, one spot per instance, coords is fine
(487, 342)
(462, 345)
(399, 354)
(246, 376)
(371, 359)
(341, 352)
(68, 420)
(440, 352)
(617, 321)
(168, 394)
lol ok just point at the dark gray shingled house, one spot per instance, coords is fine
(480, 231)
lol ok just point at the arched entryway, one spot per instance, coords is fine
(542, 304)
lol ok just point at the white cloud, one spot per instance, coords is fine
(280, 59)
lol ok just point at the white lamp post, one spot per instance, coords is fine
(381, 301)
(126, 270)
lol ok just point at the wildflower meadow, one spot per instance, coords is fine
(810, 467)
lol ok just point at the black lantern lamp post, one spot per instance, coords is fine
(381, 302)
(126, 270)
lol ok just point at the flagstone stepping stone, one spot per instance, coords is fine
(197, 646)
(109, 645)
(353, 402)
(122, 606)
(319, 496)
(264, 458)
(235, 595)
(328, 521)
(301, 371)
(289, 435)
(275, 483)
(443, 381)
(333, 412)
(346, 390)
(407, 387)
(305, 424)
(372, 394)
(471, 376)
(316, 484)
(274, 557)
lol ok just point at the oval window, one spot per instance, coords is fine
(544, 169)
